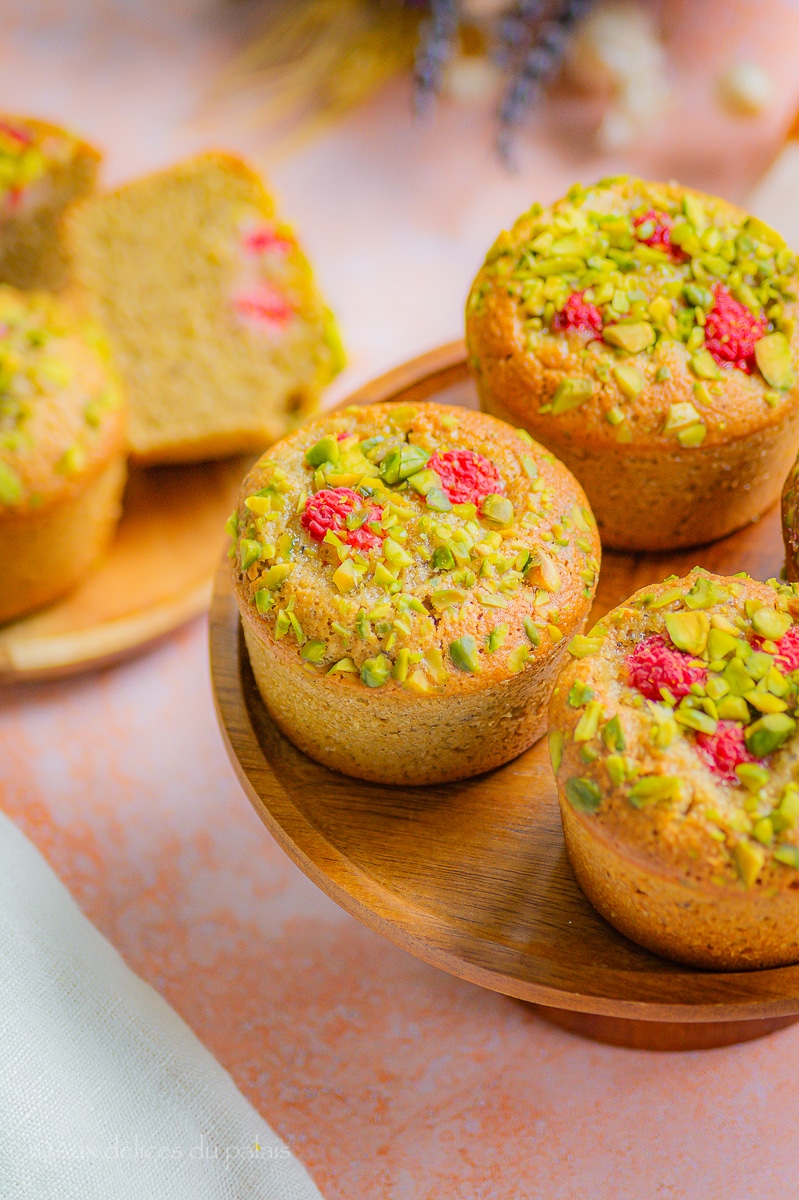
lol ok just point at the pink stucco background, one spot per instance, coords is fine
(387, 1077)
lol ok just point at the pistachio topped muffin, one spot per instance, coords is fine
(43, 169)
(646, 333)
(62, 450)
(408, 578)
(673, 735)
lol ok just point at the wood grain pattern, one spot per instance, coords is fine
(473, 877)
(156, 575)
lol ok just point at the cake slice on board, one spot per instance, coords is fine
(210, 305)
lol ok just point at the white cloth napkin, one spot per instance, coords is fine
(105, 1093)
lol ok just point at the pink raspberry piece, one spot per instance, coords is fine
(654, 664)
(264, 240)
(731, 331)
(264, 306)
(466, 477)
(577, 313)
(328, 509)
(724, 750)
(661, 235)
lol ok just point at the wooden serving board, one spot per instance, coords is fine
(157, 574)
(473, 876)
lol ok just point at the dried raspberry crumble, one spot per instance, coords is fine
(724, 750)
(577, 313)
(654, 664)
(466, 477)
(328, 509)
(732, 330)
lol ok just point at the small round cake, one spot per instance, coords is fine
(62, 450)
(673, 735)
(409, 576)
(646, 334)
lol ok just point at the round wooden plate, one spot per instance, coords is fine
(157, 574)
(473, 876)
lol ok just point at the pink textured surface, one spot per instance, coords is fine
(390, 1079)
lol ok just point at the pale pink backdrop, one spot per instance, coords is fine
(390, 1079)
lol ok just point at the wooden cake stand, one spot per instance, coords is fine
(473, 876)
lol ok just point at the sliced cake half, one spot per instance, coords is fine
(211, 308)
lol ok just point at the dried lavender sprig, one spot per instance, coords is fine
(437, 38)
(540, 65)
(516, 29)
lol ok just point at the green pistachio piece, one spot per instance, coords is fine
(698, 297)
(773, 357)
(532, 631)
(423, 481)
(326, 450)
(402, 462)
(689, 631)
(438, 500)
(314, 652)
(443, 559)
(737, 677)
(764, 831)
(704, 366)
(705, 593)
(652, 789)
(10, 485)
(73, 460)
(753, 776)
(694, 435)
(681, 416)
(733, 708)
(695, 718)
(448, 598)
(497, 637)
(562, 265)
(749, 860)
(571, 393)
(498, 509)
(613, 734)
(395, 553)
(788, 856)
(769, 733)
(463, 653)
(720, 644)
(667, 597)
(530, 467)
(264, 600)
(630, 381)
(518, 657)
(583, 794)
(771, 624)
(588, 725)
(250, 552)
(375, 671)
(344, 666)
(582, 647)
(277, 575)
(344, 577)
(633, 337)
(555, 749)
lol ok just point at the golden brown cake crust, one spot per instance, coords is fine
(443, 630)
(680, 813)
(666, 412)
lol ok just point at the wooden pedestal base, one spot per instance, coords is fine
(660, 1035)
